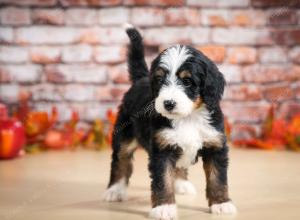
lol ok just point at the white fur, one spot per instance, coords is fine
(116, 193)
(223, 208)
(164, 212)
(127, 26)
(189, 133)
(174, 57)
(184, 187)
(184, 105)
(171, 60)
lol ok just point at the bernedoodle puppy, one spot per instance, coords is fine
(173, 112)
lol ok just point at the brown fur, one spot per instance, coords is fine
(184, 74)
(181, 173)
(215, 191)
(123, 168)
(165, 196)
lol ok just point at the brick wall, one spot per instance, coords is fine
(71, 53)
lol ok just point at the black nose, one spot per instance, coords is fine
(169, 104)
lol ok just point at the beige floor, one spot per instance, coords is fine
(68, 185)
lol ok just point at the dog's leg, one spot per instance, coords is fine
(162, 169)
(121, 170)
(215, 163)
(182, 185)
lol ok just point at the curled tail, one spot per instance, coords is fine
(137, 66)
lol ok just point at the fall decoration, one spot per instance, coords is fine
(95, 137)
(276, 134)
(112, 118)
(12, 138)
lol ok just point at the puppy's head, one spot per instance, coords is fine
(182, 80)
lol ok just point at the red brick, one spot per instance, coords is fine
(242, 55)
(46, 35)
(30, 2)
(273, 3)
(90, 35)
(215, 17)
(48, 16)
(109, 54)
(22, 73)
(175, 35)
(4, 77)
(90, 2)
(76, 73)
(9, 93)
(111, 93)
(79, 93)
(232, 73)
(170, 35)
(285, 36)
(109, 35)
(182, 16)
(296, 89)
(243, 131)
(238, 36)
(282, 16)
(147, 16)
(215, 53)
(76, 53)
(294, 54)
(273, 55)
(246, 112)
(243, 92)
(288, 109)
(45, 55)
(13, 54)
(278, 92)
(6, 35)
(270, 73)
(80, 16)
(218, 3)
(14, 16)
(112, 16)
(248, 17)
(118, 92)
(119, 74)
(155, 2)
(47, 92)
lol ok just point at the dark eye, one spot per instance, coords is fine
(159, 78)
(187, 82)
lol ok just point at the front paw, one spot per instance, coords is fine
(164, 212)
(184, 187)
(223, 208)
(115, 193)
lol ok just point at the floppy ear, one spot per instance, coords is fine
(213, 85)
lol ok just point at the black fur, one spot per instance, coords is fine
(137, 119)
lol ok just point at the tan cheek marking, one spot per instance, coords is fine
(198, 102)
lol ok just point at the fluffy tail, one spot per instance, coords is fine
(137, 66)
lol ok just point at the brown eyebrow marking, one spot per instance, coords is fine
(159, 72)
(184, 74)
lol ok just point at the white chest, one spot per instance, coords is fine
(189, 134)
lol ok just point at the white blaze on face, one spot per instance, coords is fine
(171, 60)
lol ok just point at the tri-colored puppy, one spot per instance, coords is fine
(173, 112)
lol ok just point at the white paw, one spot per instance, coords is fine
(223, 208)
(184, 187)
(164, 212)
(116, 193)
